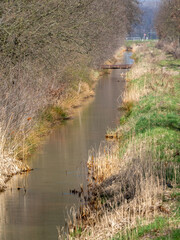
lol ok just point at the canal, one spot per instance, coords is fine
(60, 166)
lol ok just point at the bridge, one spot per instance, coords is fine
(119, 66)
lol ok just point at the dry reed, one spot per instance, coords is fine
(127, 180)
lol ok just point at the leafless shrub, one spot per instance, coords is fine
(167, 23)
(40, 41)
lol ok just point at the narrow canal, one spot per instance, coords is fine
(59, 167)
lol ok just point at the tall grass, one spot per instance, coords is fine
(117, 202)
(129, 178)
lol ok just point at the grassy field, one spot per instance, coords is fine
(134, 183)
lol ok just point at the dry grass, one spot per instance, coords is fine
(128, 180)
(131, 190)
(29, 99)
(76, 98)
(122, 190)
(25, 117)
(154, 79)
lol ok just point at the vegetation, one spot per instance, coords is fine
(47, 52)
(146, 26)
(134, 183)
(167, 24)
(152, 230)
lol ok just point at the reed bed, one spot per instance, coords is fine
(129, 193)
(129, 178)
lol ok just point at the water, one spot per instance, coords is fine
(59, 167)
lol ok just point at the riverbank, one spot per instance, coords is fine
(18, 145)
(134, 183)
(63, 107)
(17, 161)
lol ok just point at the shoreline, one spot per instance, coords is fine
(129, 182)
(64, 110)
(12, 166)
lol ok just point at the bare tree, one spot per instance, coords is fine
(168, 21)
(40, 39)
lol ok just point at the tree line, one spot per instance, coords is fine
(40, 41)
(167, 24)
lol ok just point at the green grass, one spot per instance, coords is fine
(176, 196)
(52, 114)
(129, 43)
(135, 57)
(171, 63)
(173, 235)
(142, 230)
(161, 143)
(161, 228)
(152, 112)
(76, 232)
(155, 122)
(157, 119)
(46, 119)
(155, 116)
(150, 43)
(139, 82)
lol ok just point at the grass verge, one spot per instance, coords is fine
(133, 183)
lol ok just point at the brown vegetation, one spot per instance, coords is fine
(128, 179)
(47, 51)
(167, 24)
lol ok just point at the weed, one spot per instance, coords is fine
(142, 230)
(128, 179)
(171, 63)
(173, 234)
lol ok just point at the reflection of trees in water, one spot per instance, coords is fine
(47, 45)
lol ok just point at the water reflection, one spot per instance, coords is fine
(59, 167)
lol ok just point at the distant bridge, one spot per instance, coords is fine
(119, 66)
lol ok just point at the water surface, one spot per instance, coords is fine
(59, 167)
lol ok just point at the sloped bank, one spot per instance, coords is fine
(17, 148)
(133, 184)
(19, 145)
